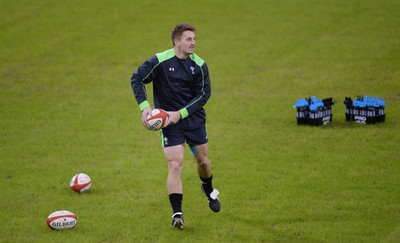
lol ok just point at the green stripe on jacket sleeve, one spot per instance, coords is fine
(144, 105)
(184, 113)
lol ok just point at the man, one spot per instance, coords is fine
(181, 86)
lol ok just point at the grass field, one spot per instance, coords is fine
(66, 107)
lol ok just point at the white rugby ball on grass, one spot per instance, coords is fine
(61, 220)
(157, 119)
(80, 183)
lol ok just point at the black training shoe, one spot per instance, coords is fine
(177, 220)
(213, 201)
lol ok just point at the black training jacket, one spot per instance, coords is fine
(178, 85)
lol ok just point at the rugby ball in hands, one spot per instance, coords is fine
(157, 119)
(61, 220)
(80, 183)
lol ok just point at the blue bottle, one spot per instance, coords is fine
(302, 111)
(314, 115)
(362, 117)
(356, 110)
(371, 116)
(381, 110)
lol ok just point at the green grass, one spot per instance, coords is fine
(67, 106)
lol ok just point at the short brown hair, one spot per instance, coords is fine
(179, 29)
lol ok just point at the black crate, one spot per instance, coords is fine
(314, 112)
(365, 110)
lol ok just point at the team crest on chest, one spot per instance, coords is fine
(192, 68)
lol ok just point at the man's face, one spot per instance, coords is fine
(187, 42)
